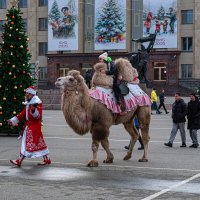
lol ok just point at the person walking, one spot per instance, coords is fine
(162, 100)
(193, 115)
(179, 112)
(137, 126)
(33, 144)
(154, 99)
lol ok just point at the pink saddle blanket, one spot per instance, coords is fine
(136, 97)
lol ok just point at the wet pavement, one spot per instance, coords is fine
(171, 173)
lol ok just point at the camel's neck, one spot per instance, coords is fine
(77, 112)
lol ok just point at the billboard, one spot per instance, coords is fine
(62, 25)
(110, 24)
(160, 17)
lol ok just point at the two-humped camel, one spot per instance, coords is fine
(84, 114)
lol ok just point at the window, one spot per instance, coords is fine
(43, 2)
(2, 22)
(160, 72)
(22, 3)
(187, 44)
(63, 71)
(43, 24)
(42, 48)
(2, 4)
(186, 71)
(187, 16)
(43, 73)
(25, 24)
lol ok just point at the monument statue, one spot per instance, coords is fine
(140, 59)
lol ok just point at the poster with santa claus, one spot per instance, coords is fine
(110, 24)
(160, 17)
(62, 25)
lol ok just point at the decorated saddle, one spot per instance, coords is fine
(135, 97)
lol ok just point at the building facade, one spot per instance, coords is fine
(166, 67)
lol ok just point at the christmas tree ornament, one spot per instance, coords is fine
(11, 28)
(14, 98)
(13, 17)
(14, 77)
(22, 46)
(14, 112)
(13, 66)
(27, 49)
(19, 38)
(27, 39)
(0, 107)
(20, 86)
(12, 23)
(10, 35)
(23, 64)
(17, 29)
(15, 87)
(4, 98)
(10, 73)
(11, 53)
(1, 113)
(1, 124)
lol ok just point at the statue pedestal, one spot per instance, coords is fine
(143, 86)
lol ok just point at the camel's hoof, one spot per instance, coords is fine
(108, 161)
(93, 163)
(127, 157)
(143, 160)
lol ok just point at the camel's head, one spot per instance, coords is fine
(72, 81)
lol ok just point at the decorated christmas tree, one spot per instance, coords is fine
(15, 70)
(54, 14)
(110, 25)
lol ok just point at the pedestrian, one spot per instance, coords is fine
(179, 112)
(137, 126)
(33, 144)
(162, 101)
(193, 115)
(88, 78)
(154, 99)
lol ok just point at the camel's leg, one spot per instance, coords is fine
(105, 145)
(134, 137)
(94, 161)
(144, 117)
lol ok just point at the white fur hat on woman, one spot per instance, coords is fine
(31, 90)
(104, 56)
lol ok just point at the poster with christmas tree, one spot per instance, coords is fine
(110, 24)
(63, 25)
(15, 69)
(160, 17)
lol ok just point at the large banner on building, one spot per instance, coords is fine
(160, 17)
(110, 24)
(62, 25)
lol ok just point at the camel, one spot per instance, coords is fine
(84, 113)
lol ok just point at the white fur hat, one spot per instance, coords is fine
(104, 56)
(31, 90)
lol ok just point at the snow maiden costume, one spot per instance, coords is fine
(33, 144)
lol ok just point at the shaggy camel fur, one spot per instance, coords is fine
(84, 114)
(124, 69)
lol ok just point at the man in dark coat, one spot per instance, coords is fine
(162, 100)
(179, 112)
(193, 115)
